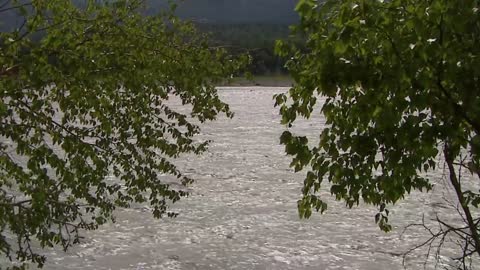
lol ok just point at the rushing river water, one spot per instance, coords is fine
(242, 212)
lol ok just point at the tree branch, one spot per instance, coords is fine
(15, 7)
(449, 159)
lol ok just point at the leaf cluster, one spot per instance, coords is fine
(401, 80)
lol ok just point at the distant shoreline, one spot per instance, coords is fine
(270, 81)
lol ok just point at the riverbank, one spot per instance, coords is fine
(271, 81)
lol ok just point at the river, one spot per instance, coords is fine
(242, 211)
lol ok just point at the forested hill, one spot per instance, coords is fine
(241, 25)
(236, 11)
(210, 11)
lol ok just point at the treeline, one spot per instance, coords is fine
(256, 39)
(230, 11)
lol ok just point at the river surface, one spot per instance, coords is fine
(242, 211)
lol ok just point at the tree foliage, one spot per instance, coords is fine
(256, 39)
(85, 123)
(401, 80)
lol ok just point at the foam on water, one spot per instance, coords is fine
(242, 211)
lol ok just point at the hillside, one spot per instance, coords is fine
(243, 26)
(239, 11)
(210, 11)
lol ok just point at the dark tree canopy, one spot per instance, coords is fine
(209, 11)
(85, 123)
(402, 85)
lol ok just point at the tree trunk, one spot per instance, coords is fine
(449, 159)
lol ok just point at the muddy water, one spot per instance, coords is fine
(242, 211)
